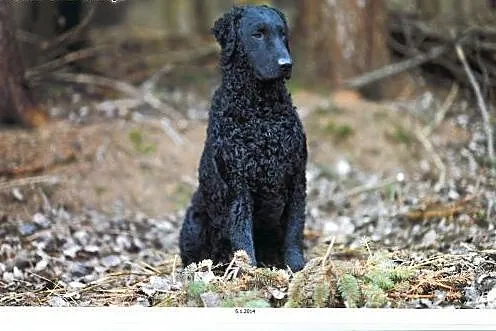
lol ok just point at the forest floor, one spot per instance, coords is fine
(92, 203)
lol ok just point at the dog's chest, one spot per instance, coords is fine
(272, 151)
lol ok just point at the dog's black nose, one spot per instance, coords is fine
(285, 64)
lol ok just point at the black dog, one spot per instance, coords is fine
(251, 194)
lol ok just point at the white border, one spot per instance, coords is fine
(202, 319)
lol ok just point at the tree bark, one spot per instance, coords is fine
(16, 100)
(459, 12)
(202, 17)
(341, 39)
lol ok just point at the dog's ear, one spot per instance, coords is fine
(283, 18)
(225, 32)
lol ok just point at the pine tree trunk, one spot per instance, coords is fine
(341, 39)
(16, 102)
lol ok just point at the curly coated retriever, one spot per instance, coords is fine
(252, 184)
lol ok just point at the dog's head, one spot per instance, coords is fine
(262, 33)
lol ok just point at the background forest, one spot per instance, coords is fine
(103, 111)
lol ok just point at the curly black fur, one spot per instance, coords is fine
(252, 184)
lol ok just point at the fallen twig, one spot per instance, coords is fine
(29, 37)
(28, 181)
(367, 188)
(174, 269)
(480, 103)
(417, 58)
(70, 35)
(396, 68)
(114, 84)
(66, 59)
(169, 130)
(447, 62)
(424, 133)
(131, 91)
(441, 210)
(117, 85)
(438, 162)
(149, 84)
(229, 267)
(328, 252)
(443, 110)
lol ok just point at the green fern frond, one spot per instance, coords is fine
(380, 279)
(295, 292)
(350, 290)
(320, 295)
(375, 297)
(401, 273)
(248, 299)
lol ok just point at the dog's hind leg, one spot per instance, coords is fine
(192, 235)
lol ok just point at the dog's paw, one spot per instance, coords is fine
(294, 259)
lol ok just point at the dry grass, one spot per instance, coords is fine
(381, 279)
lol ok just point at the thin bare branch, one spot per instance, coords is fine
(116, 85)
(328, 252)
(66, 59)
(438, 162)
(443, 110)
(367, 188)
(480, 102)
(71, 34)
(395, 68)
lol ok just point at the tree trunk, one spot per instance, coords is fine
(341, 39)
(202, 17)
(180, 17)
(459, 12)
(16, 102)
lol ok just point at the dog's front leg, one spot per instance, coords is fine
(233, 201)
(241, 225)
(293, 240)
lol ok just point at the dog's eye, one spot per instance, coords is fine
(258, 35)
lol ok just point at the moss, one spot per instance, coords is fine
(248, 299)
(99, 190)
(195, 289)
(343, 132)
(182, 195)
(340, 132)
(380, 115)
(401, 136)
(389, 191)
(136, 138)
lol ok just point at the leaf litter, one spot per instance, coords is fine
(372, 239)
